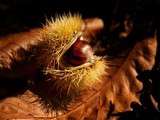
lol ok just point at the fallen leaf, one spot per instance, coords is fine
(121, 88)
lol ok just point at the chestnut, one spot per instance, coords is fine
(79, 53)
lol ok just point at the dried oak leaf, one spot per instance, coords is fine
(121, 88)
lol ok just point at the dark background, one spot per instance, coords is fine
(17, 15)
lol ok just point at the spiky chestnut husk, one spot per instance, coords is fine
(63, 82)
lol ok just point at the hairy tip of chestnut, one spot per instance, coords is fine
(79, 53)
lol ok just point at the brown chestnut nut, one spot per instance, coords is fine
(79, 53)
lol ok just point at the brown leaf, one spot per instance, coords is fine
(126, 86)
(12, 47)
(120, 89)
